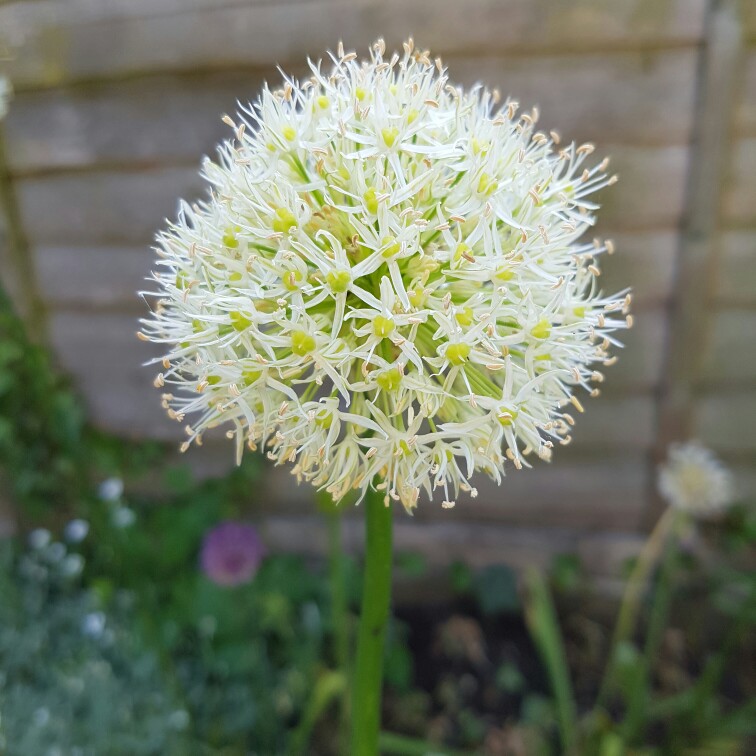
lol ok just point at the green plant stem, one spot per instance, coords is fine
(636, 585)
(376, 595)
(328, 687)
(637, 714)
(543, 626)
(401, 745)
(340, 615)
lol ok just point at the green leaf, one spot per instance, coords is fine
(411, 564)
(496, 590)
(461, 578)
(543, 624)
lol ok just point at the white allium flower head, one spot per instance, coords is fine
(693, 480)
(386, 283)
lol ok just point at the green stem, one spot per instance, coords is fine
(340, 615)
(376, 595)
(634, 590)
(637, 714)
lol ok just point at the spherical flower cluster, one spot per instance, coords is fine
(231, 553)
(693, 480)
(386, 285)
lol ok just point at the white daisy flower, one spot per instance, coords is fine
(386, 285)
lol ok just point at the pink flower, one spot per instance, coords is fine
(231, 553)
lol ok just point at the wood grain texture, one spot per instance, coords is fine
(92, 278)
(740, 192)
(745, 113)
(104, 207)
(644, 262)
(128, 207)
(164, 120)
(518, 547)
(725, 420)
(697, 257)
(604, 491)
(730, 351)
(58, 42)
(736, 276)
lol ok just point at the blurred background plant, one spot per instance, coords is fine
(130, 628)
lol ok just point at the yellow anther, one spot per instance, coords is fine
(486, 185)
(239, 322)
(291, 279)
(230, 240)
(383, 326)
(371, 201)
(541, 330)
(465, 316)
(417, 297)
(506, 416)
(284, 220)
(457, 354)
(324, 418)
(389, 134)
(391, 247)
(390, 380)
(339, 280)
(302, 343)
(461, 251)
(478, 146)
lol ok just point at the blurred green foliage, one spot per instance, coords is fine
(119, 644)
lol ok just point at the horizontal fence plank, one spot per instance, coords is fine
(745, 482)
(176, 119)
(603, 491)
(730, 355)
(644, 262)
(725, 421)
(639, 363)
(651, 188)
(736, 273)
(740, 192)
(609, 99)
(103, 207)
(127, 207)
(101, 353)
(517, 547)
(55, 43)
(745, 112)
(105, 277)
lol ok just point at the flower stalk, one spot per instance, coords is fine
(376, 596)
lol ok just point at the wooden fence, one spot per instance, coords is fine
(117, 100)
